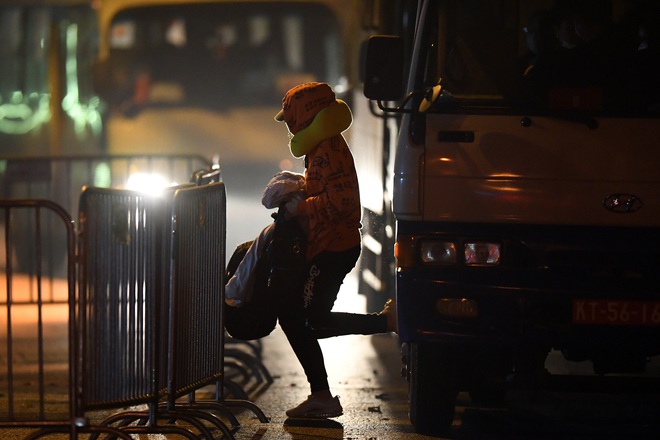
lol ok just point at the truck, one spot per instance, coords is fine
(512, 197)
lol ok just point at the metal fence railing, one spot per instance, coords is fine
(134, 318)
(37, 337)
(151, 304)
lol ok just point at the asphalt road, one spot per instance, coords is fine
(365, 372)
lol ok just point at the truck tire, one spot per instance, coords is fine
(433, 388)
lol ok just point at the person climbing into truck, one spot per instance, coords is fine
(331, 214)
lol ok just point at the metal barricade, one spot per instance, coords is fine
(143, 313)
(152, 295)
(121, 281)
(197, 347)
(197, 287)
(38, 355)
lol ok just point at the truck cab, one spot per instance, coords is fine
(525, 195)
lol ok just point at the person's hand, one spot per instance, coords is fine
(291, 208)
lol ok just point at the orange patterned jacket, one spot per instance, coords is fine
(333, 198)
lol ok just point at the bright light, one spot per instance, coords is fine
(481, 253)
(147, 183)
(438, 252)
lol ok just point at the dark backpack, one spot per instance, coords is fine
(277, 271)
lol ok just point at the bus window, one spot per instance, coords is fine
(219, 55)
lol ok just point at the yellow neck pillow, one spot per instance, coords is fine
(329, 122)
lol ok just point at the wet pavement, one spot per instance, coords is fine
(365, 372)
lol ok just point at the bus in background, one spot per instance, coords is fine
(524, 193)
(47, 102)
(164, 76)
(206, 77)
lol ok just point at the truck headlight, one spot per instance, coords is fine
(480, 253)
(438, 252)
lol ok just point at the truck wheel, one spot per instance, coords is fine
(433, 388)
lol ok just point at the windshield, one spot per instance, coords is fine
(596, 56)
(221, 54)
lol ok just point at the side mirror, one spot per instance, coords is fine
(383, 76)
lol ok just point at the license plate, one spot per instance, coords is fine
(613, 312)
